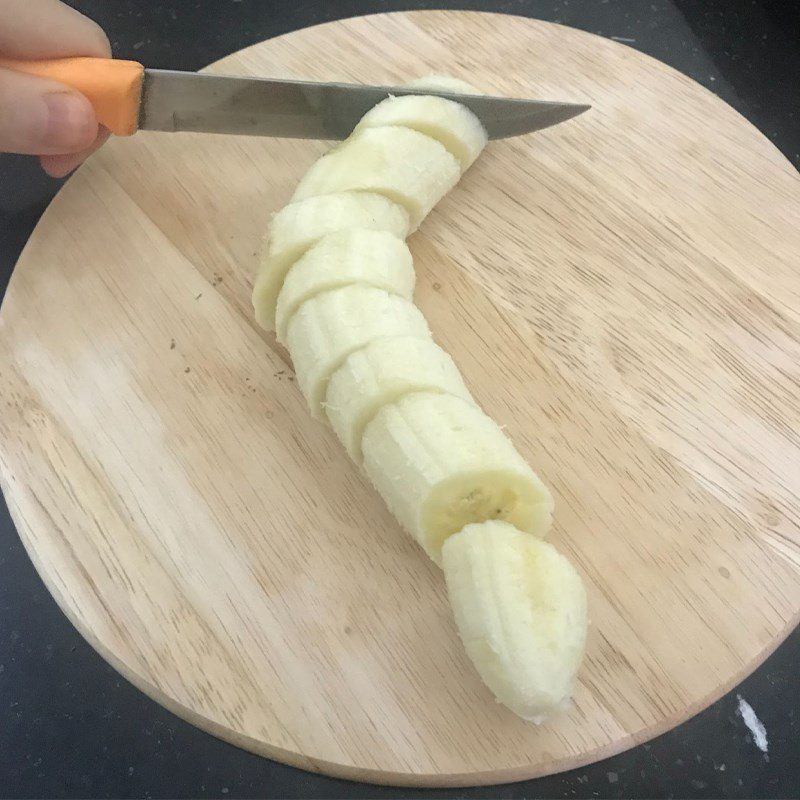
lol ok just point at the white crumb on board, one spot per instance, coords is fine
(755, 725)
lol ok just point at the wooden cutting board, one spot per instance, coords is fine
(622, 292)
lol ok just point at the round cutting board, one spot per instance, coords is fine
(621, 292)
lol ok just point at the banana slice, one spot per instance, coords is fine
(444, 83)
(381, 373)
(299, 225)
(520, 608)
(404, 165)
(357, 256)
(450, 123)
(457, 128)
(330, 326)
(440, 463)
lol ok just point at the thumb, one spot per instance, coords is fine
(42, 117)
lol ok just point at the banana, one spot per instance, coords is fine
(450, 123)
(299, 225)
(337, 281)
(380, 374)
(520, 609)
(406, 166)
(439, 463)
(328, 328)
(357, 256)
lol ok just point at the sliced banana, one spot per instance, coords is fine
(357, 256)
(404, 165)
(337, 280)
(330, 326)
(450, 123)
(520, 608)
(440, 463)
(299, 225)
(381, 373)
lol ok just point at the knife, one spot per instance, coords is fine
(127, 97)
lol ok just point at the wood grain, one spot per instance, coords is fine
(621, 291)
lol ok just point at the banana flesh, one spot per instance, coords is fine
(450, 123)
(520, 609)
(357, 256)
(299, 225)
(401, 164)
(444, 83)
(440, 463)
(337, 280)
(329, 327)
(379, 375)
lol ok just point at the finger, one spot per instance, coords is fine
(60, 166)
(48, 29)
(42, 117)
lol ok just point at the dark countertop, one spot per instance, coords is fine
(71, 727)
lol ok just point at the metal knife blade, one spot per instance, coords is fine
(189, 101)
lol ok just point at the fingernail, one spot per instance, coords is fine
(71, 124)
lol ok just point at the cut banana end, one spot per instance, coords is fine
(403, 165)
(358, 256)
(380, 374)
(520, 608)
(299, 225)
(440, 463)
(444, 83)
(450, 123)
(329, 327)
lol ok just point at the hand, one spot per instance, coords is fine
(39, 116)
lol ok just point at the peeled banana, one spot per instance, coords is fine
(380, 374)
(299, 225)
(440, 463)
(356, 256)
(328, 328)
(406, 166)
(336, 281)
(520, 608)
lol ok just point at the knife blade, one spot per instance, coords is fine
(127, 97)
(184, 101)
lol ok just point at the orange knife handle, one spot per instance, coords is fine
(113, 87)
